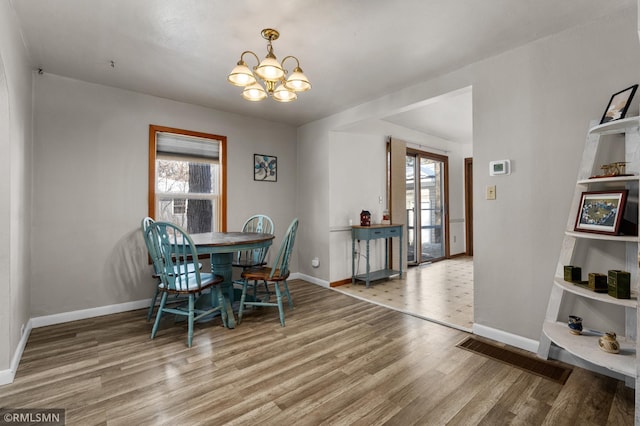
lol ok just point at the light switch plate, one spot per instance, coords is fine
(491, 192)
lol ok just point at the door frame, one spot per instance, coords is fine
(445, 201)
(468, 205)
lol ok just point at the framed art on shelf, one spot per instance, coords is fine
(601, 211)
(265, 168)
(618, 104)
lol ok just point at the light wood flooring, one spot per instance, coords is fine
(339, 361)
(440, 291)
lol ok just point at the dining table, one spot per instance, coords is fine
(221, 246)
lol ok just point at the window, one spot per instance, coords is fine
(187, 184)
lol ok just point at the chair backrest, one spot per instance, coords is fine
(261, 224)
(146, 222)
(144, 225)
(174, 255)
(281, 264)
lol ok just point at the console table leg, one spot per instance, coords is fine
(353, 258)
(367, 263)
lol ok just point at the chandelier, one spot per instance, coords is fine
(275, 82)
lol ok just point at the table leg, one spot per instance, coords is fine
(353, 259)
(386, 253)
(400, 252)
(367, 263)
(221, 265)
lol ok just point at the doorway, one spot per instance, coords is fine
(427, 176)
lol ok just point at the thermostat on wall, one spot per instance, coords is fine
(500, 167)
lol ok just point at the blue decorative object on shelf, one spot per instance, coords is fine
(575, 324)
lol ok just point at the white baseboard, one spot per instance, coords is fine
(312, 280)
(506, 338)
(89, 313)
(7, 376)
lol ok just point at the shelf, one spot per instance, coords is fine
(604, 237)
(377, 275)
(601, 297)
(604, 311)
(616, 126)
(585, 346)
(614, 179)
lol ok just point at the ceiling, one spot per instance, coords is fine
(353, 51)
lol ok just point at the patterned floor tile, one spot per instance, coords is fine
(440, 292)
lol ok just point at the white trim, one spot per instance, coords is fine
(89, 313)
(506, 338)
(312, 280)
(7, 376)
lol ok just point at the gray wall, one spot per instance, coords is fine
(15, 184)
(90, 187)
(531, 105)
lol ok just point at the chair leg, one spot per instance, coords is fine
(242, 299)
(190, 335)
(279, 299)
(163, 300)
(286, 289)
(153, 303)
(222, 304)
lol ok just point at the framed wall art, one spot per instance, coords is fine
(265, 168)
(601, 211)
(618, 104)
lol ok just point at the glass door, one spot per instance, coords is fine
(426, 177)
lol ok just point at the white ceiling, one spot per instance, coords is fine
(353, 51)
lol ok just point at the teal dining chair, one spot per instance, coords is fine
(276, 274)
(145, 224)
(249, 258)
(175, 258)
(246, 259)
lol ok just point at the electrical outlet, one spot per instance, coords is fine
(491, 192)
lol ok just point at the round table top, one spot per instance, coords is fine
(229, 238)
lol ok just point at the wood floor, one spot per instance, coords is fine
(339, 360)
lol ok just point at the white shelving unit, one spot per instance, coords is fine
(614, 141)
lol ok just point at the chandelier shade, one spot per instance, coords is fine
(254, 92)
(270, 69)
(297, 81)
(282, 94)
(269, 77)
(241, 75)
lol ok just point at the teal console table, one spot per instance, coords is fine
(368, 233)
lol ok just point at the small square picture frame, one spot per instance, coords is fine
(618, 104)
(265, 168)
